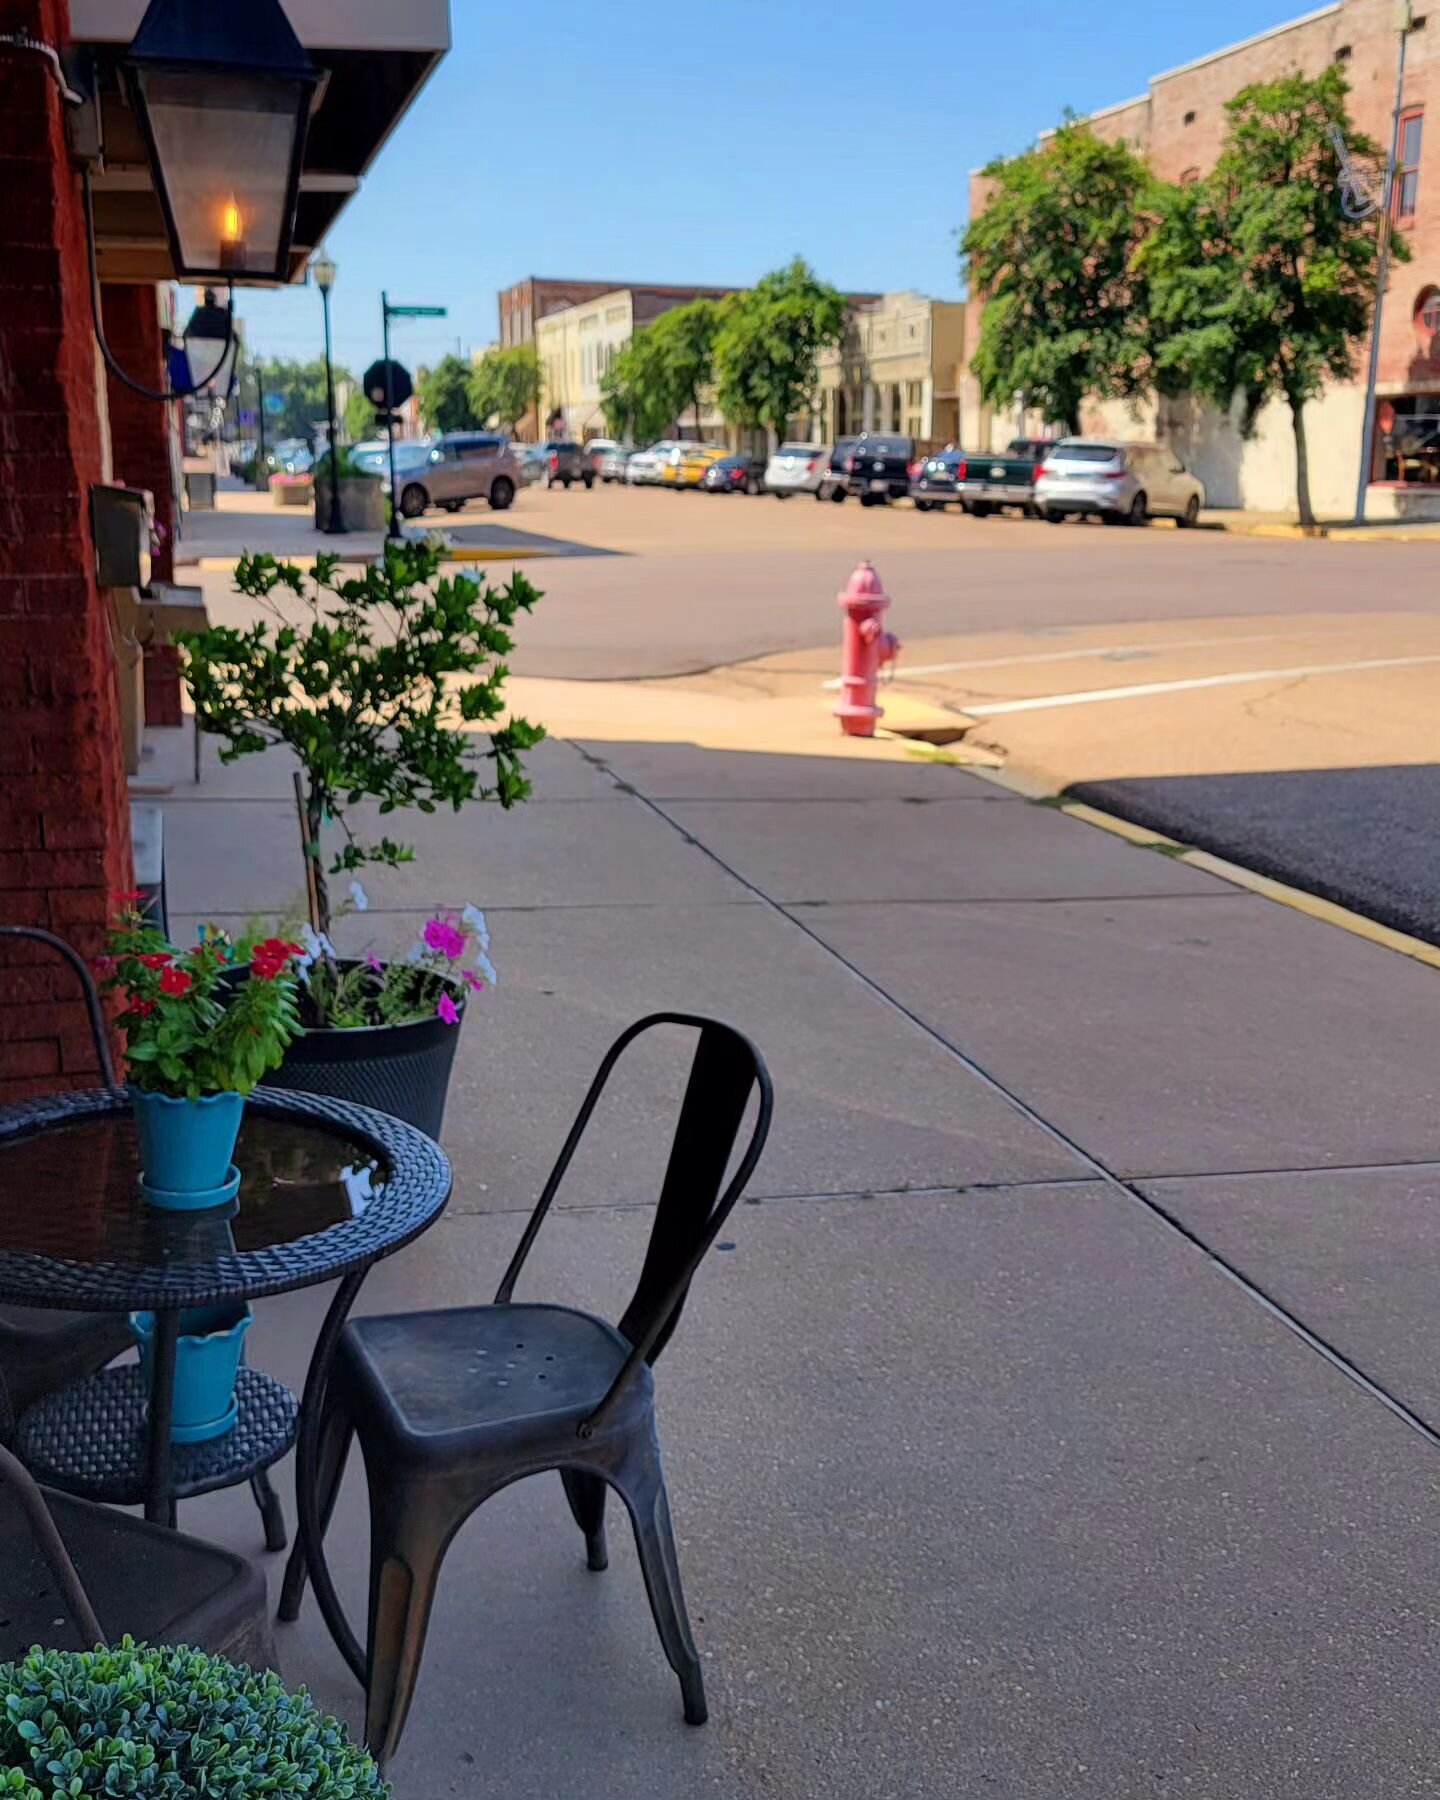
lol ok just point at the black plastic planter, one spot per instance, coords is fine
(399, 1069)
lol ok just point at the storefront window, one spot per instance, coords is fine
(1407, 440)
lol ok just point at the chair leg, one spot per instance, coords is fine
(272, 1514)
(642, 1483)
(336, 1430)
(586, 1494)
(408, 1540)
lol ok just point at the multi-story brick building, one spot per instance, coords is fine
(527, 304)
(1178, 125)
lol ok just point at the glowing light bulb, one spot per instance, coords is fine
(230, 222)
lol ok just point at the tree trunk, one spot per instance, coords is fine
(698, 432)
(1302, 462)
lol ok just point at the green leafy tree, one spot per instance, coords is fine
(377, 690)
(1257, 281)
(302, 387)
(768, 341)
(1052, 254)
(445, 398)
(637, 393)
(681, 343)
(359, 422)
(505, 384)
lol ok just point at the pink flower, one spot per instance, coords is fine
(448, 1010)
(372, 961)
(472, 980)
(442, 936)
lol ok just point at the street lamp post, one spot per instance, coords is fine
(324, 272)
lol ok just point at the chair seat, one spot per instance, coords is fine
(445, 1380)
(161, 1586)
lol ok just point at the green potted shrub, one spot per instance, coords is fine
(362, 495)
(387, 686)
(172, 1722)
(196, 1043)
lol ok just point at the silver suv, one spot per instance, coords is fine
(1124, 483)
(463, 465)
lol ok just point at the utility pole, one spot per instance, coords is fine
(260, 480)
(1403, 22)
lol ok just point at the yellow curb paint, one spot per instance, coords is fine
(1281, 892)
(1103, 821)
(1331, 914)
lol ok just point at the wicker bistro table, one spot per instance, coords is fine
(327, 1189)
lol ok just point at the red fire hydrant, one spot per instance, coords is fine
(867, 644)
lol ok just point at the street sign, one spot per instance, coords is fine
(400, 389)
(417, 312)
(274, 403)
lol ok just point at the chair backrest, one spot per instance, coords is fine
(724, 1072)
(99, 1032)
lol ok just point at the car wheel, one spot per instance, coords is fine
(752, 486)
(1139, 513)
(1191, 513)
(502, 492)
(980, 509)
(781, 493)
(838, 496)
(1113, 518)
(413, 500)
(924, 506)
(452, 506)
(589, 481)
(1053, 518)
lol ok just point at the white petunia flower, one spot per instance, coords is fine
(475, 919)
(360, 897)
(486, 967)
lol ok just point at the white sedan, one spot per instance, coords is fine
(795, 469)
(644, 466)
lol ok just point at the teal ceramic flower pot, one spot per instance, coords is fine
(207, 1359)
(186, 1145)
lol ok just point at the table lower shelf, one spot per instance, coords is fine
(92, 1439)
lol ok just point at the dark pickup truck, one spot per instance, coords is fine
(877, 467)
(988, 483)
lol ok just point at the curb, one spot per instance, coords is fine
(1281, 892)
(1338, 534)
(217, 565)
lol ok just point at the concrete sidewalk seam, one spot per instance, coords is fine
(1123, 1185)
(1328, 912)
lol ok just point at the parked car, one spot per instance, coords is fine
(937, 484)
(643, 468)
(462, 465)
(533, 459)
(877, 467)
(291, 456)
(692, 463)
(992, 482)
(566, 463)
(735, 475)
(409, 456)
(831, 485)
(795, 469)
(611, 462)
(1123, 483)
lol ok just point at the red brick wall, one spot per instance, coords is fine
(140, 456)
(64, 821)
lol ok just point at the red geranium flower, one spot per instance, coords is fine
(143, 1008)
(128, 896)
(156, 959)
(176, 982)
(268, 960)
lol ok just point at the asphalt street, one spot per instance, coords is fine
(1274, 701)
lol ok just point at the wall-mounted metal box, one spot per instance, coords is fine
(123, 522)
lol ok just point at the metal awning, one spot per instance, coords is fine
(376, 56)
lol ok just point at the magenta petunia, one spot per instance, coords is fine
(440, 935)
(472, 980)
(448, 1010)
(372, 961)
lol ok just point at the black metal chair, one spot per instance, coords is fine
(452, 1406)
(159, 1585)
(40, 1351)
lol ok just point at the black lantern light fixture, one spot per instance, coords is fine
(223, 93)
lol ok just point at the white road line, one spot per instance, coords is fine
(1096, 651)
(1089, 696)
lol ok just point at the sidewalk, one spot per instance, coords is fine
(1000, 1456)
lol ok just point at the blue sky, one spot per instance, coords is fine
(707, 140)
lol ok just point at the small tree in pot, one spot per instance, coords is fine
(388, 687)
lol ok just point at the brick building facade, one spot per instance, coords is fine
(64, 823)
(1178, 125)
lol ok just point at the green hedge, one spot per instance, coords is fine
(168, 1724)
